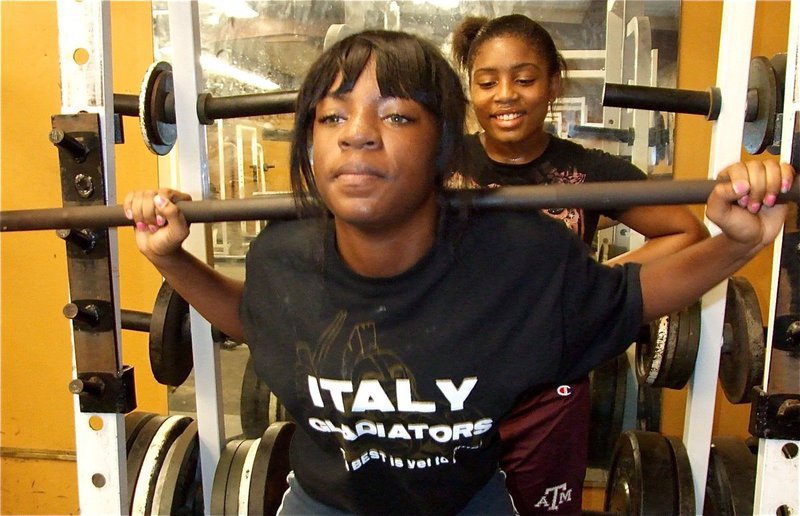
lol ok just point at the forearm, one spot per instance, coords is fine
(215, 296)
(668, 229)
(673, 282)
(657, 247)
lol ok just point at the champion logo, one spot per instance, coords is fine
(564, 390)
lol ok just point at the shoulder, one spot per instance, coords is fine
(289, 240)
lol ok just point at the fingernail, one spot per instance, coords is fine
(140, 226)
(129, 214)
(770, 199)
(159, 220)
(160, 202)
(152, 228)
(784, 186)
(744, 201)
(741, 187)
(754, 207)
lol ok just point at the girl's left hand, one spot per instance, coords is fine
(743, 204)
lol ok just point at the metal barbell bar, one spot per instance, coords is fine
(610, 195)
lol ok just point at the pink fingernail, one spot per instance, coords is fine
(770, 199)
(754, 207)
(744, 201)
(140, 226)
(784, 186)
(152, 228)
(741, 187)
(129, 214)
(160, 220)
(160, 202)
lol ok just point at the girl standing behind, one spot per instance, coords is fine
(514, 72)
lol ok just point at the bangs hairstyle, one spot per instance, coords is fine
(406, 67)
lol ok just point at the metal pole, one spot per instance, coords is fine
(619, 194)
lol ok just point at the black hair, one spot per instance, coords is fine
(474, 31)
(407, 67)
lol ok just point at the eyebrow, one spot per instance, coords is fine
(514, 68)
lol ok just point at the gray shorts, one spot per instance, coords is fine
(492, 499)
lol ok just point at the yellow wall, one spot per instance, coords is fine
(37, 411)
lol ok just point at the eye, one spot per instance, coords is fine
(486, 84)
(398, 119)
(524, 81)
(330, 118)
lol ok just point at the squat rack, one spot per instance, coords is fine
(87, 87)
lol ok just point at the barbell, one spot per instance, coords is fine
(598, 196)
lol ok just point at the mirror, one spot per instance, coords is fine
(262, 46)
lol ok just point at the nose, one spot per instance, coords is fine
(505, 91)
(360, 131)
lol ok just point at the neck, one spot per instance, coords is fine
(388, 251)
(517, 152)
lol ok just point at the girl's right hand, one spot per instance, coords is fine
(160, 226)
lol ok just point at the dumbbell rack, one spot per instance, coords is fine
(102, 475)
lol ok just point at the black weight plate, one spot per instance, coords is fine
(741, 364)
(134, 421)
(258, 407)
(684, 356)
(158, 135)
(651, 352)
(138, 452)
(759, 133)
(778, 63)
(170, 342)
(670, 349)
(159, 447)
(177, 480)
(731, 480)
(648, 408)
(640, 477)
(235, 477)
(684, 482)
(270, 469)
(608, 386)
(219, 488)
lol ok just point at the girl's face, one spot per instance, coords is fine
(374, 156)
(511, 89)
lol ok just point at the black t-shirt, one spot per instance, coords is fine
(397, 384)
(562, 161)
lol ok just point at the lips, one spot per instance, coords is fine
(356, 174)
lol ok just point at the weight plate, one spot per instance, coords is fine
(648, 408)
(731, 480)
(684, 356)
(335, 33)
(222, 475)
(684, 482)
(759, 133)
(169, 430)
(651, 352)
(235, 477)
(778, 63)
(138, 452)
(258, 407)
(741, 364)
(179, 479)
(247, 473)
(608, 385)
(640, 476)
(134, 421)
(270, 469)
(170, 338)
(159, 136)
